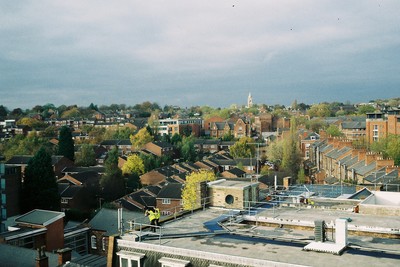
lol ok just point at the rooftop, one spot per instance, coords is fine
(217, 234)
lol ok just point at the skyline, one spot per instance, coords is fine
(198, 53)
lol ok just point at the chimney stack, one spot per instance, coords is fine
(41, 259)
(64, 255)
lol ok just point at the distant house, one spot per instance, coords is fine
(59, 163)
(233, 173)
(159, 148)
(157, 176)
(105, 224)
(138, 200)
(242, 128)
(79, 190)
(124, 146)
(35, 229)
(169, 199)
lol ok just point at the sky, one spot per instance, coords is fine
(196, 53)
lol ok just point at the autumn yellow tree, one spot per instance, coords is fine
(191, 193)
(134, 164)
(141, 138)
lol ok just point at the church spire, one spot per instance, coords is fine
(249, 101)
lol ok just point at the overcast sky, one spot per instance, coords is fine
(206, 52)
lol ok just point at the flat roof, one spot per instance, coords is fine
(40, 217)
(222, 183)
(269, 244)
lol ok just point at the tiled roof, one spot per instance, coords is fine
(367, 169)
(71, 191)
(354, 125)
(236, 171)
(171, 190)
(98, 169)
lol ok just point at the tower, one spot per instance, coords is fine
(249, 101)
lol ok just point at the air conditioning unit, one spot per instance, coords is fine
(320, 231)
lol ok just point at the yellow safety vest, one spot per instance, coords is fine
(152, 215)
(158, 214)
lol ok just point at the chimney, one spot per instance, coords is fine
(64, 255)
(41, 259)
(361, 154)
(369, 158)
(381, 162)
(344, 143)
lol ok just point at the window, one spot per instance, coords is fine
(130, 259)
(103, 243)
(3, 184)
(166, 201)
(93, 242)
(229, 199)
(3, 199)
(64, 201)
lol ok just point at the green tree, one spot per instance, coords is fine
(389, 147)
(319, 110)
(316, 125)
(187, 149)
(66, 143)
(40, 190)
(141, 138)
(50, 132)
(175, 139)
(334, 131)
(112, 182)
(133, 182)
(149, 162)
(134, 164)
(301, 177)
(364, 109)
(275, 152)
(191, 192)
(291, 156)
(228, 137)
(86, 156)
(3, 112)
(242, 148)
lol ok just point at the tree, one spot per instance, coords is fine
(389, 147)
(191, 192)
(149, 161)
(242, 148)
(291, 156)
(133, 165)
(3, 111)
(364, 109)
(301, 177)
(175, 139)
(187, 149)
(315, 125)
(319, 110)
(65, 143)
(334, 131)
(141, 138)
(40, 190)
(86, 156)
(275, 152)
(228, 137)
(112, 182)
